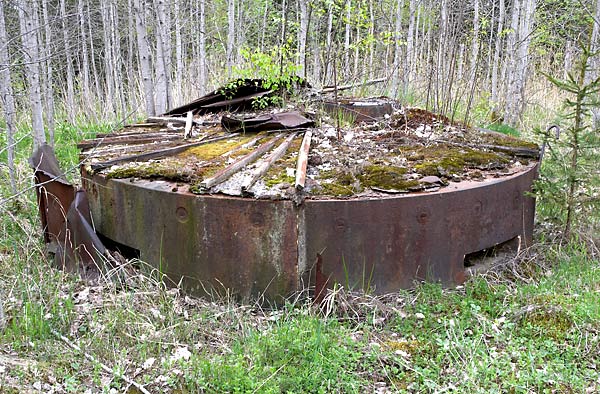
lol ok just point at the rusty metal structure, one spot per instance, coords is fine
(240, 239)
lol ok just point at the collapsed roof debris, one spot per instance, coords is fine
(358, 147)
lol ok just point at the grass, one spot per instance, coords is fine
(530, 326)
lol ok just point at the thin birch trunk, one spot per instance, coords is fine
(202, 48)
(474, 43)
(85, 62)
(329, 43)
(144, 55)
(47, 86)
(230, 35)
(98, 91)
(163, 58)
(108, 58)
(347, 35)
(371, 38)
(178, 56)
(8, 100)
(70, 96)
(397, 55)
(410, 45)
(29, 39)
(510, 64)
(302, 36)
(496, 61)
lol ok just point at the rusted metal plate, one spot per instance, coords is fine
(360, 110)
(261, 248)
(54, 193)
(212, 244)
(383, 245)
(65, 217)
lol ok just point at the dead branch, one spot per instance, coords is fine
(303, 161)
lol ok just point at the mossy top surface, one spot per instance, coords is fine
(393, 156)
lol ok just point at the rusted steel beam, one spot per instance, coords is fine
(303, 161)
(171, 119)
(228, 171)
(266, 163)
(157, 154)
(128, 140)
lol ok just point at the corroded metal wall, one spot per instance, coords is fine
(267, 248)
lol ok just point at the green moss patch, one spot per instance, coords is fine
(442, 159)
(385, 177)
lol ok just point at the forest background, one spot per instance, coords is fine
(71, 68)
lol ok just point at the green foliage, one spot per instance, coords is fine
(276, 69)
(569, 181)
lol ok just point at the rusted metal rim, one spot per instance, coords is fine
(262, 248)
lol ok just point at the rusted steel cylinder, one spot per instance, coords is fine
(252, 248)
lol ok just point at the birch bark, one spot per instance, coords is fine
(27, 21)
(144, 56)
(8, 100)
(230, 35)
(47, 86)
(70, 94)
(202, 47)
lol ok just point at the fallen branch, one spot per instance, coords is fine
(170, 119)
(303, 161)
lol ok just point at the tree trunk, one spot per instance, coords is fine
(29, 39)
(144, 56)
(474, 43)
(48, 88)
(7, 100)
(202, 48)
(397, 55)
(85, 62)
(230, 35)
(178, 57)
(108, 58)
(496, 61)
(70, 94)
(347, 35)
(163, 58)
(595, 62)
(302, 36)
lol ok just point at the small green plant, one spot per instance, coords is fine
(569, 179)
(276, 71)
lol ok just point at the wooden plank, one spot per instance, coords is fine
(157, 154)
(266, 163)
(303, 161)
(188, 125)
(228, 171)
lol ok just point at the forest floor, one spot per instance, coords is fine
(529, 325)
